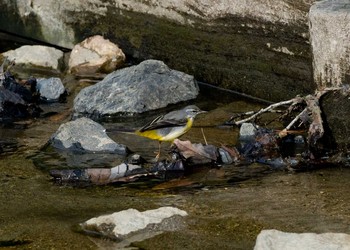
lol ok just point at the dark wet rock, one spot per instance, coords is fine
(95, 55)
(9, 82)
(16, 101)
(131, 225)
(85, 135)
(148, 86)
(50, 89)
(336, 111)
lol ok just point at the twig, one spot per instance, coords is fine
(284, 132)
(272, 106)
(205, 139)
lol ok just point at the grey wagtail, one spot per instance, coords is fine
(170, 126)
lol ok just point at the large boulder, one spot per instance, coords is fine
(36, 57)
(85, 135)
(329, 35)
(329, 29)
(95, 55)
(148, 86)
(257, 47)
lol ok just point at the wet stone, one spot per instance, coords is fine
(50, 89)
(85, 135)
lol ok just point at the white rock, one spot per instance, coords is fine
(131, 220)
(36, 55)
(277, 240)
(95, 54)
(329, 33)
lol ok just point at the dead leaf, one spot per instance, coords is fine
(187, 150)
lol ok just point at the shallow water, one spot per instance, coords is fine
(227, 206)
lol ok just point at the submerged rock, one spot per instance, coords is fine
(85, 135)
(95, 55)
(148, 86)
(131, 225)
(50, 89)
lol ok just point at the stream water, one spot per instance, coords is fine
(228, 206)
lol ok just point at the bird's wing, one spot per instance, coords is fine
(159, 122)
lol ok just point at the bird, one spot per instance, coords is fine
(170, 126)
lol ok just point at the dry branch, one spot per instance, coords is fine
(311, 114)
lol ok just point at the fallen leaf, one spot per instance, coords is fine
(187, 150)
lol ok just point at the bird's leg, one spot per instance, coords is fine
(158, 155)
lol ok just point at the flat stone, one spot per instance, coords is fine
(131, 225)
(36, 56)
(276, 240)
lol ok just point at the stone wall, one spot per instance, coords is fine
(257, 47)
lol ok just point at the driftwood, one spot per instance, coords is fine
(309, 116)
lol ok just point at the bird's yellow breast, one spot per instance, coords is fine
(167, 134)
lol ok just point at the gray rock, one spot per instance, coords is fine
(50, 89)
(36, 56)
(131, 225)
(276, 240)
(148, 86)
(329, 28)
(85, 135)
(247, 132)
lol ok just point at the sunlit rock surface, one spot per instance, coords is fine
(36, 56)
(130, 225)
(95, 55)
(257, 47)
(329, 34)
(148, 86)
(276, 240)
